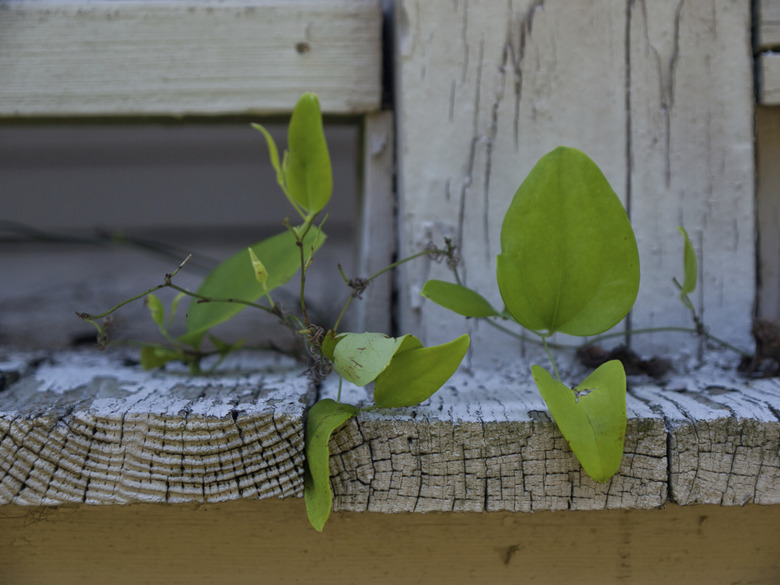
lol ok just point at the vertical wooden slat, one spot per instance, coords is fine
(658, 94)
(377, 226)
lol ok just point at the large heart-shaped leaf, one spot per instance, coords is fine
(307, 171)
(323, 419)
(415, 375)
(458, 298)
(569, 260)
(235, 279)
(591, 416)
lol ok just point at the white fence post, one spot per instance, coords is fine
(658, 94)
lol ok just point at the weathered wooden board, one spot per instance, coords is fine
(767, 24)
(127, 58)
(376, 238)
(85, 428)
(768, 202)
(659, 94)
(269, 541)
(485, 442)
(769, 79)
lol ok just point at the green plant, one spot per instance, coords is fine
(403, 372)
(569, 263)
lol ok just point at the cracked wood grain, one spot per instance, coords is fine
(657, 93)
(84, 428)
(486, 443)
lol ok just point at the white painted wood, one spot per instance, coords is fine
(84, 428)
(126, 58)
(769, 79)
(767, 24)
(376, 224)
(657, 93)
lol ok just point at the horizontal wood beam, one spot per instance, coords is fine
(769, 79)
(107, 58)
(767, 30)
(83, 427)
(270, 541)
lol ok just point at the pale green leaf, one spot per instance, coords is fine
(569, 260)
(415, 375)
(458, 298)
(156, 356)
(234, 279)
(261, 274)
(323, 419)
(156, 309)
(274, 155)
(360, 357)
(307, 170)
(593, 419)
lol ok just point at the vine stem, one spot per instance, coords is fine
(387, 268)
(552, 361)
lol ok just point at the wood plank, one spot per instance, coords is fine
(769, 79)
(767, 24)
(485, 442)
(86, 428)
(768, 202)
(377, 225)
(108, 58)
(270, 541)
(656, 94)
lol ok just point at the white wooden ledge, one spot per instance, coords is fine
(130, 58)
(84, 427)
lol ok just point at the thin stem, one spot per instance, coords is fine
(338, 397)
(205, 299)
(404, 260)
(552, 361)
(522, 337)
(343, 312)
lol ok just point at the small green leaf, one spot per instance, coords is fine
(415, 375)
(261, 274)
(360, 357)
(274, 155)
(325, 417)
(307, 170)
(156, 309)
(569, 260)
(593, 419)
(174, 307)
(234, 279)
(329, 343)
(156, 356)
(457, 298)
(689, 263)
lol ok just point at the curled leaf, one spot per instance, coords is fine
(360, 357)
(689, 264)
(261, 274)
(323, 419)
